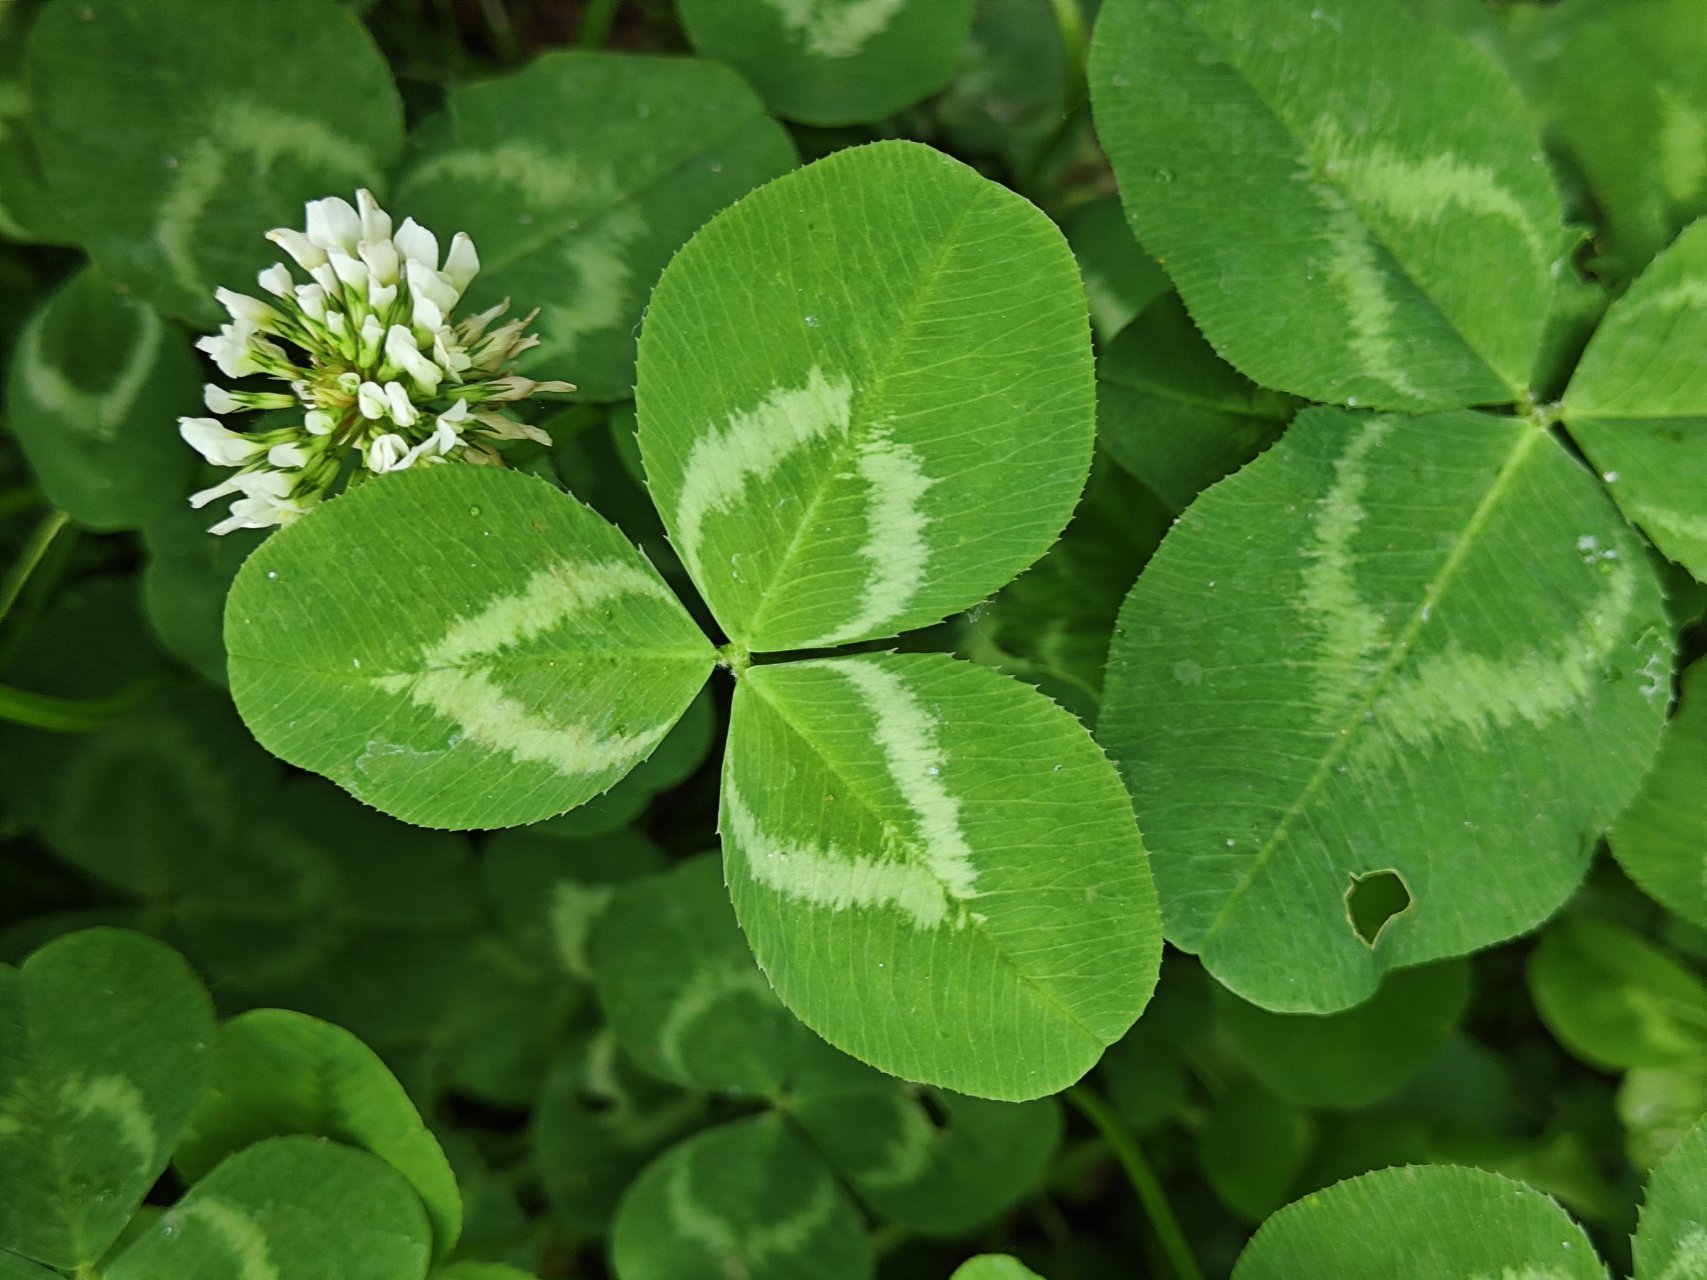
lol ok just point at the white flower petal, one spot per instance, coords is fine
(333, 224)
(289, 456)
(376, 222)
(350, 271)
(277, 280)
(370, 400)
(424, 282)
(382, 260)
(385, 453)
(403, 411)
(311, 299)
(308, 255)
(220, 490)
(462, 263)
(211, 439)
(400, 350)
(247, 310)
(318, 422)
(217, 399)
(417, 244)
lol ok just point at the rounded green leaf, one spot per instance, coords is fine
(1332, 186)
(924, 1159)
(1661, 839)
(1432, 1220)
(994, 1266)
(1626, 100)
(900, 414)
(293, 1206)
(175, 142)
(1328, 658)
(1175, 414)
(96, 381)
(1637, 403)
(102, 1042)
(831, 62)
(577, 178)
(749, 1199)
(1357, 1057)
(938, 870)
(1252, 1147)
(1616, 1000)
(276, 1072)
(1671, 1242)
(460, 647)
(679, 987)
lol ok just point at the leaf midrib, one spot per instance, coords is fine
(1397, 653)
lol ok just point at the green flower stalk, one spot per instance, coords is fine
(375, 362)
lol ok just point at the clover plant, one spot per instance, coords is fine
(861, 639)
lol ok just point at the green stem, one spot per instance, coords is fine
(1070, 22)
(1143, 1179)
(40, 539)
(75, 715)
(596, 23)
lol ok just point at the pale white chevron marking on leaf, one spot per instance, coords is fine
(267, 135)
(1685, 295)
(600, 292)
(551, 597)
(1655, 518)
(1689, 1262)
(752, 1242)
(702, 993)
(752, 445)
(836, 28)
(539, 178)
(1355, 270)
(1419, 191)
(241, 1235)
(1452, 692)
(906, 731)
(895, 548)
(450, 684)
(98, 414)
(118, 1101)
(1683, 152)
(487, 716)
(832, 879)
(907, 1155)
(1351, 632)
(573, 909)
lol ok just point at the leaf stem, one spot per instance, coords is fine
(1143, 1179)
(35, 547)
(596, 23)
(75, 715)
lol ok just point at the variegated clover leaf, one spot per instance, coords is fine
(1338, 643)
(866, 402)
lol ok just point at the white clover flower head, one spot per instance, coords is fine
(377, 366)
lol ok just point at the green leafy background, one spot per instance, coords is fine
(1103, 675)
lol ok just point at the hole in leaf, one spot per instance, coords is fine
(1373, 899)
